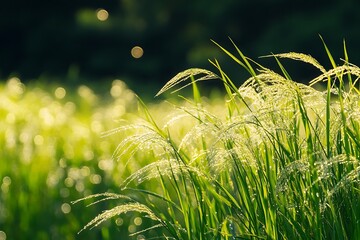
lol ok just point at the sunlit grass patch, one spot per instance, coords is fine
(51, 151)
(278, 161)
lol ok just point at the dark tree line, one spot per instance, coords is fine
(64, 39)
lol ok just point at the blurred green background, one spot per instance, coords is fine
(70, 40)
(50, 121)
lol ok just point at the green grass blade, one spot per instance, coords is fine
(333, 64)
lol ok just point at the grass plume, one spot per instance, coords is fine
(281, 161)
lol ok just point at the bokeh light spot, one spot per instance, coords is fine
(79, 186)
(46, 116)
(69, 182)
(95, 179)
(5, 185)
(140, 237)
(132, 228)
(102, 14)
(106, 164)
(60, 93)
(10, 118)
(66, 208)
(86, 93)
(7, 180)
(88, 155)
(119, 221)
(64, 192)
(117, 88)
(138, 221)
(15, 86)
(85, 171)
(2, 235)
(137, 52)
(38, 140)
(96, 126)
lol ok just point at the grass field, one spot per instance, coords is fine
(271, 159)
(52, 153)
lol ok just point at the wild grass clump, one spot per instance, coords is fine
(281, 161)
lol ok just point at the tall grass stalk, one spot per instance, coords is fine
(280, 162)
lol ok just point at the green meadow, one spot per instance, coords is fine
(266, 157)
(52, 153)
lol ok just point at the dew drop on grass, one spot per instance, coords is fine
(139, 180)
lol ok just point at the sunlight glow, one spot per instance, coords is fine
(102, 14)
(137, 52)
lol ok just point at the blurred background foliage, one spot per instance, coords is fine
(51, 121)
(73, 41)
